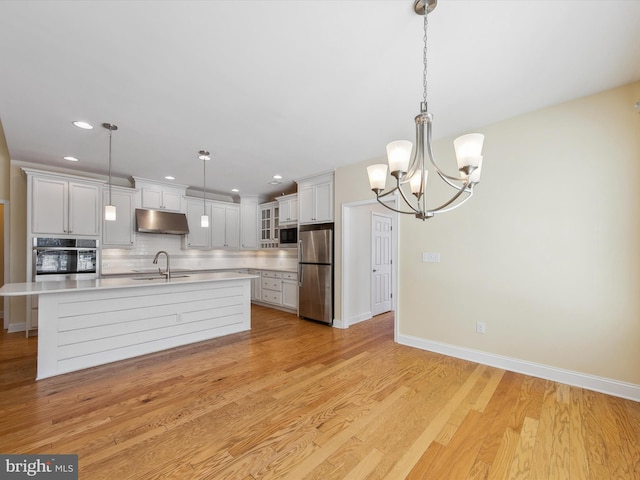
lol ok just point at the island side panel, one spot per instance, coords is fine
(88, 328)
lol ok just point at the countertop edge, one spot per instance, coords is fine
(43, 288)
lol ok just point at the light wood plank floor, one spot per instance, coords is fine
(297, 400)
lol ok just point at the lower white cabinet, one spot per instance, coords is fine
(279, 289)
(256, 285)
(272, 287)
(290, 290)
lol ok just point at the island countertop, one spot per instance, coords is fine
(143, 280)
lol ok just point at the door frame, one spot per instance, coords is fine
(349, 209)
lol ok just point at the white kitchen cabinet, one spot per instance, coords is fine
(198, 237)
(269, 225)
(277, 289)
(315, 199)
(272, 287)
(288, 206)
(225, 225)
(290, 290)
(160, 196)
(121, 232)
(63, 206)
(256, 285)
(249, 221)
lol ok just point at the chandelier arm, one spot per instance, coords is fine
(393, 209)
(453, 207)
(453, 185)
(418, 154)
(406, 200)
(439, 171)
(462, 190)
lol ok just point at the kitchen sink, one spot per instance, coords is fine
(157, 277)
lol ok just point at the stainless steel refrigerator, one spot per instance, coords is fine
(315, 272)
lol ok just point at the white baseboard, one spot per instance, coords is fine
(360, 318)
(17, 327)
(576, 379)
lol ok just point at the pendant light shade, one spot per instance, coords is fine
(110, 209)
(110, 213)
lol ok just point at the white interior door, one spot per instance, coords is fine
(380, 264)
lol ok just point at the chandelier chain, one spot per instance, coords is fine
(424, 61)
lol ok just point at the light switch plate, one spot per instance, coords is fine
(431, 257)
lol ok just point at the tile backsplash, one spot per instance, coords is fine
(140, 258)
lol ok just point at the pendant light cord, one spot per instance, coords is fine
(424, 62)
(110, 132)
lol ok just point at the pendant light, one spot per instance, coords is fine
(110, 209)
(204, 156)
(412, 170)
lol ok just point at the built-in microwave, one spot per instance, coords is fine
(288, 236)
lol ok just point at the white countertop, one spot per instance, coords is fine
(196, 271)
(143, 280)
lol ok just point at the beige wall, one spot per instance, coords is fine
(546, 253)
(18, 242)
(4, 166)
(4, 197)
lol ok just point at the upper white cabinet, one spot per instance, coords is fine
(224, 224)
(315, 199)
(119, 233)
(269, 225)
(63, 205)
(160, 196)
(198, 237)
(249, 221)
(288, 206)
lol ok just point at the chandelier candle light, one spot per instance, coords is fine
(412, 170)
(110, 210)
(204, 156)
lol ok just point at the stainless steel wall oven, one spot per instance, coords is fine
(65, 259)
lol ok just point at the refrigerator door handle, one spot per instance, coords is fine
(299, 264)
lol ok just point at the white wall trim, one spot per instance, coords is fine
(359, 318)
(17, 327)
(590, 382)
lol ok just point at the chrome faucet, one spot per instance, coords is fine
(167, 272)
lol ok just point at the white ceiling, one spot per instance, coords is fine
(287, 87)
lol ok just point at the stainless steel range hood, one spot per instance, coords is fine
(159, 221)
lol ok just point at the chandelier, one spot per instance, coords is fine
(412, 169)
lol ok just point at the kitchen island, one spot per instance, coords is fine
(86, 323)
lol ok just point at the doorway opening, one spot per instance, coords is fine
(358, 246)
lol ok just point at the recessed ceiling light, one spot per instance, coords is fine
(235, 190)
(81, 124)
(275, 182)
(169, 177)
(277, 177)
(71, 159)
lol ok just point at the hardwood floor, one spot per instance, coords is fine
(297, 400)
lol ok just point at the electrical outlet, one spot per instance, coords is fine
(431, 257)
(481, 328)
